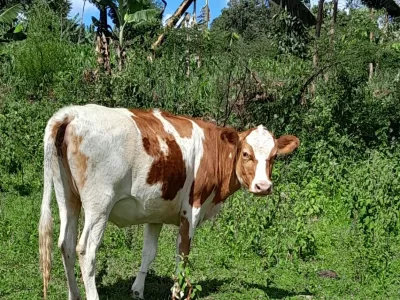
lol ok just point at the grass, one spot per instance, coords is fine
(222, 272)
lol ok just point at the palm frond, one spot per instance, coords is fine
(10, 14)
(142, 16)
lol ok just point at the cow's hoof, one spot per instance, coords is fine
(137, 295)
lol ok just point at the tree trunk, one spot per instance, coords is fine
(318, 29)
(102, 47)
(194, 18)
(103, 20)
(371, 39)
(82, 24)
(121, 55)
(173, 20)
(319, 18)
(334, 15)
(332, 32)
(317, 35)
(103, 54)
(208, 14)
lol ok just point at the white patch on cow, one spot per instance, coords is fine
(230, 155)
(163, 146)
(209, 209)
(196, 216)
(262, 142)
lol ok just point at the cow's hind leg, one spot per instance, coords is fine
(97, 210)
(69, 209)
(151, 235)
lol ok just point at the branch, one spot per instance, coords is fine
(173, 20)
(315, 75)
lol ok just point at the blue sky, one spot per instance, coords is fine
(215, 8)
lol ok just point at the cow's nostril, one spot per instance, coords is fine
(263, 187)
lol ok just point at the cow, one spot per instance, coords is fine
(142, 167)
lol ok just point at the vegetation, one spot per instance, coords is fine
(331, 228)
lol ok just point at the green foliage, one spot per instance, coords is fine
(290, 34)
(133, 12)
(248, 18)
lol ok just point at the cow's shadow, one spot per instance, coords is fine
(158, 288)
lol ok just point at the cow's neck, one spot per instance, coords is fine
(228, 181)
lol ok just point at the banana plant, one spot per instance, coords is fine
(10, 14)
(7, 18)
(132, 12)
(124, 12)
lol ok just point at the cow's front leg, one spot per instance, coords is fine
(151, 235)
(189, 220)
(188, 223)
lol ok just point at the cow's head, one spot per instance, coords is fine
(257, 150)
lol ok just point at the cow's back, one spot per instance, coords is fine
(146, 160)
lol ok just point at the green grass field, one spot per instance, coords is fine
(222, 271)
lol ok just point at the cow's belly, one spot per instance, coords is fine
(130, 211)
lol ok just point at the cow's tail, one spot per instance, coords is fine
(54, 135)
(46, 222)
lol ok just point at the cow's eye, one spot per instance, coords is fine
(246, 155)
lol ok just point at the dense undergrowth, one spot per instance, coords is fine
(337, 199)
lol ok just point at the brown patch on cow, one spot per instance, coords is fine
(167, 168)
(79, 159)
(184, 212)
(270, 166)
(184, 245)
(216, 172)
(74, 155)
(194, 201)
(246, 162)
(58, 133)
(182, 125)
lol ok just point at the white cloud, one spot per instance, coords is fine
(165, 18)
(77, 6)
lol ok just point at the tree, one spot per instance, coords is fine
(320, 18)
(8, 3)
(132, 12)
(60, 7)
(124, 14)
(247, 18)
(102, 45)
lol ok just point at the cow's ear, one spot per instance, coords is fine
(230, 136)
(287, 144)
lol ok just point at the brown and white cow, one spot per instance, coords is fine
(142, 167)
